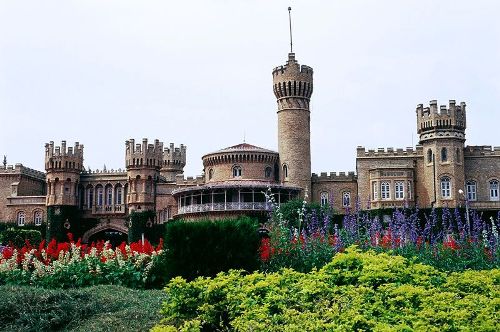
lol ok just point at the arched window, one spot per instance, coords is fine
(21, 218)
(236, 171)
(90, 197)
(100, 198)
(445, 187)
(375, 190)
(408, 189)
(38, 218)
(285, 172)
(429, 156)
(268, 172)
(494, 190)
(444, 154)
(109, 195)
(385, 190)
(210, 174)
(119, 195)
(399, 190)
(346, 199)
(471, 188)
(324, 198)
(457, 155)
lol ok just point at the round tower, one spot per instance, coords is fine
(293, 86)
(442, 136)
(63, 167)
(143, 162)
(174, 160)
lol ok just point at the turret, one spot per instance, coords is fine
(174, 160)
(63, 166)
(293, 87)
(442, 135)
(143, 162)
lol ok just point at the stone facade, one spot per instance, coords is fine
(440, 171)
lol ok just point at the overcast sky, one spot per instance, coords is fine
(199, 73)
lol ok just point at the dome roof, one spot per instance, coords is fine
(243, 147)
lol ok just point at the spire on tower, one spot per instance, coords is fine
(290, 23)
(4, 161)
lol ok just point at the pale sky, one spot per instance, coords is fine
(199, 73)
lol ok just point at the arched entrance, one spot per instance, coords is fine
(113, 230)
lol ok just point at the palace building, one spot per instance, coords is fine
(439, 172)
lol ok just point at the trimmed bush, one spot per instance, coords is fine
(18, 237)
(356, 291)
(205, 248)
(142, 223)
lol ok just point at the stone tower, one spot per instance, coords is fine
(143, 162)
(174, 160)
(442, 135)
(293, 86)
(63, 166)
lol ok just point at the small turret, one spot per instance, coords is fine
(444, 122)
(174, 160)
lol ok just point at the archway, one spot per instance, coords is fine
(112, 230)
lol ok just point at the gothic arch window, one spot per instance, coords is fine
(236, 171)
(109, 195)
(90, 196)
(210, 173)
(119, 194)
(471, 188)
(100, 196)
(268, 172)
(385, 190)
(429, 156)
(399, 190)
(38, 218)
(444, 154)
(285, 172)
(324, 198)
(494, 195)
(21, 218)
(346, 199)
(445, 187)
(457, 154)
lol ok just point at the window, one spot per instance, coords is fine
(409, 189)
(458, 155)
(375, 190)
(99, 196)
(21, 217)
(494, 190)
(285, 172)
(109, 196)
(471, 189)
(445, 187)
(268, 172)
(346, 199)
(119, 195)
(399, 190)
(38, 218)
(429, 156)
(237, 171)
(90, 197)
(444, 154)
(324, 198)
(385, 191)
(210, 174)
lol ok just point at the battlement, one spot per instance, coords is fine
(174, 157)
(481, 150)
(19, 169)
(62, 157)
(143, 155)
(390, 152)
(292, 79)
(180, 180)
(432, 118)
(333, 176)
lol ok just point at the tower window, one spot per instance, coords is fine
(38, 218)
(444, 154)
(21, 218)
(494, 190)
(285, 172)
(236, 171)
(210, 174)
(458, 155)
(471, 188)
(346, 199)
(268, 172)
(399, 190)
(429, 156)
(445, 187)
(385, 190)
(324, 198)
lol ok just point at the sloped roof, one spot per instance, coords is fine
(243, 147)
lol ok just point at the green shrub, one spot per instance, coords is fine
(204, 248)
(356, 291)
(18, 237)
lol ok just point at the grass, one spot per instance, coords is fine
(98, 308)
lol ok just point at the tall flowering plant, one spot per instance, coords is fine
(73, 264)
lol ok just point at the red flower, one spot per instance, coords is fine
(265, 250)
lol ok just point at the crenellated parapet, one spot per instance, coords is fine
(481, 150)
(174, 160)
(19, 169)
(143, 155)
(62, 158)
(389, 152)
(180, 180)
(441, 122)
(334, 176)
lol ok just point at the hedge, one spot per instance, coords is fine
(18, 237)
(205, 248)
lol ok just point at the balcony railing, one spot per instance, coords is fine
(229, 206)
(109, 209)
